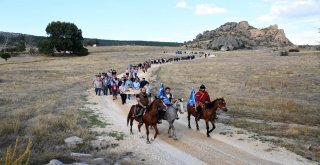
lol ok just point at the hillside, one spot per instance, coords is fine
(232, 35)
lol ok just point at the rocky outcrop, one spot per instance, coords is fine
(232, 35)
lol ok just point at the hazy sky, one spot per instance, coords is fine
(161, 20)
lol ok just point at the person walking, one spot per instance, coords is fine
(143, 82)
(128, 85)
(105, 86)
(123, 95)
(136, 84)
(114, 89)
(97, 85)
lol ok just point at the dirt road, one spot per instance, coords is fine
(226, 145)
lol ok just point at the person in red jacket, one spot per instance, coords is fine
(202, 97)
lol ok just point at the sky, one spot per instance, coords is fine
(161, 20)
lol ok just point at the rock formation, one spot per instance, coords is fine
(232, 35)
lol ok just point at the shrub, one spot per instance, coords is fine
(284, 53)
(5, 56)
(83, 52)
(294, 50)
(13, 157)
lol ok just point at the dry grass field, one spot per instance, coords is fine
(274, 96)
(40, 97)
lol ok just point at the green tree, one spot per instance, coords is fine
(63, 37)
(21, 45)
(46, 46)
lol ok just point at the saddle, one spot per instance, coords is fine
(136, 110)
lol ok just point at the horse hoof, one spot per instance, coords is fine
(152, 139)
(170, 136)
(208, 136)
(148, 142)
(131, 133)
(197, 129)
(175, 138)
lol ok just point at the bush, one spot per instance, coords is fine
(83, 52)
(5, 56)
(294, 50)
(14, 157)
(284, 53)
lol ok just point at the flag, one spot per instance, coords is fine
(192, 98)
(162, 95)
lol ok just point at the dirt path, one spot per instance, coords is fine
(225, 146)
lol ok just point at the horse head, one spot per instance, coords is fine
(159, 104)
(222, 104)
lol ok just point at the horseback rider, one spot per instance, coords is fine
(202, 98)
(169, 94)
(170, 97)
(144, 102)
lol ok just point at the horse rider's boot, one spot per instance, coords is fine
(198, 113)
(140, 120)
(177, 117)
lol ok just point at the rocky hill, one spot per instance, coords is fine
(232, 35)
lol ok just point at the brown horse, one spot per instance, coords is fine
(208, 114)
(149, 117)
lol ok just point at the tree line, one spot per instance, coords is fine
(64, 38)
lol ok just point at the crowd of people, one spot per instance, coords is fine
(173, 59)
(107, 83)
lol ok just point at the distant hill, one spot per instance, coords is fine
(31, 39)
(232, 35)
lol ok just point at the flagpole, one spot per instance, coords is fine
(195, 102)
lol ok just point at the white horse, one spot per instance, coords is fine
(171, 114)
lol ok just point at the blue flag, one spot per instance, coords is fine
(162, 95)
(192, 98)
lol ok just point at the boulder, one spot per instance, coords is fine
(80, 155)
(98, 144)
(55, 162)
(73, 141)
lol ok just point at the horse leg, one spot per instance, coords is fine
(174, 131)
(207, 126)
(213, 126)
(147, 131)
(157, 131)
(169, 131)
(195, 119)
(139, 127)
(189, 119)
(131, 123)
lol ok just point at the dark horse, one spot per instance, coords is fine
(149, 117)
(208, 114)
